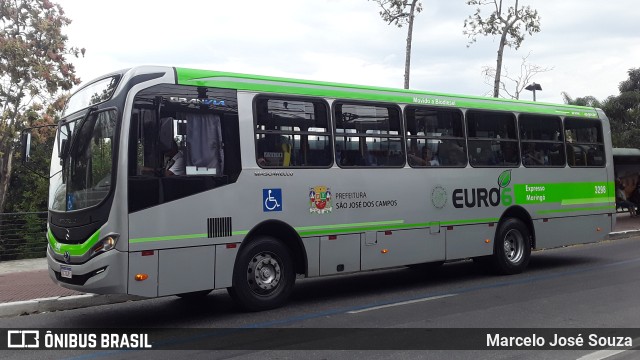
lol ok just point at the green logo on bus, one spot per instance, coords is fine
(504, 179)
(483, 197)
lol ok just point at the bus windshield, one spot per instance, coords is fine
(95, 93)
(84, 178)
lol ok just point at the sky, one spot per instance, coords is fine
(589, 45)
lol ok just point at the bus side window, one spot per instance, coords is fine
(542, 141)
(438, 129)
(370, 134)
(494, 134)
(292, 133)
(584, 142)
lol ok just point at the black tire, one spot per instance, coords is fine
(512, 247)
(263, 275)
(196, 295)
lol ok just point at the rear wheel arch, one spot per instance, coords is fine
(523, 215)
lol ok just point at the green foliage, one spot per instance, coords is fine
(33, 50)
(28, 190)
(622, 110)
(581, 101)
(513, 22)
(632, 83)
(33, 71)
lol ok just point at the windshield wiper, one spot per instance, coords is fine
(65, 146)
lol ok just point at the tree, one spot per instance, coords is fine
(517, 81)
(508, 24)
(632, 83)
(622, 110)
(28, 190)
(589, 100)
(399, 13)
(33, 70)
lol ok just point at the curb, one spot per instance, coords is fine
(623, 234)
(59, 303)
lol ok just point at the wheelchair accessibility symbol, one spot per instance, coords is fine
(271, 200)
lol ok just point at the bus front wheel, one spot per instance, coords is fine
(512, 247)
(263, 276)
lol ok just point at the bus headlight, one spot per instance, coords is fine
(106, 244)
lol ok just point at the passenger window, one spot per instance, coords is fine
(492, 139)
(368, 136)
(542, 142)
(435, 137)
(584, 142)
(292, 133)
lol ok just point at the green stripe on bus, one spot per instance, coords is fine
(72, 249)
(338, 226)
(335, 228)
(594, 208)
(469, 221)
(329, 229)
(332, 229)
(587, 201)
(165, 238)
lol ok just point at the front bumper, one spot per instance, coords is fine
(103, 274)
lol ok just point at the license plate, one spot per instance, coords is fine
(65, 272)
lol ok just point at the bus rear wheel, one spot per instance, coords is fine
(263, 276)
(512, 247)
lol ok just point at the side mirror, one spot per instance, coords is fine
(63, 148)
(26, 150)
(25, 144)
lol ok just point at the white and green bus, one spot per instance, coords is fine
(280, 179)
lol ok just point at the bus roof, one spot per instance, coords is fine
(288, 86)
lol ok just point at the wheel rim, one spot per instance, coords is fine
(514, 246)
(264, 273)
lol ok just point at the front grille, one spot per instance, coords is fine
(79, 280)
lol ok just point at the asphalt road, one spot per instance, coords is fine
(590, 286)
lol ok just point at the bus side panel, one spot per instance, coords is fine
(571, 230)
(147, 264)
(225, 261)
(186, 270)
(470, 241)
(312, 247)
(339, 254)
(384, 249)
